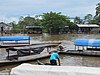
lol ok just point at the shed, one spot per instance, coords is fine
(4, 28)
(87, 27)
(33, 29)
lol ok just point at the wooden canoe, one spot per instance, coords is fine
(23, 59)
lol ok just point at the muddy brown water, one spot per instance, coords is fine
(67, 40)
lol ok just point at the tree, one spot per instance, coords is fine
(77, 20)
(97, 16)
(98, 9)
(28, 21)
(88, 18)
(53, 22)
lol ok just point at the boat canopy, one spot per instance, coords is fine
(14, 38)
(87, 42)
(96, 43)
(81, 42)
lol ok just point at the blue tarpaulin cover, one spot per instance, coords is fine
(81, 42)
(96, 43)
(90, 42)
(14, 38)
(87, 42)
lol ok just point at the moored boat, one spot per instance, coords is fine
(89, 47)
(23, 56)
(12, 41)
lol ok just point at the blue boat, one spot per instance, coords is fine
(11, 41)
(81, 42)
(14, 38)
(96, 43)
(87, 43)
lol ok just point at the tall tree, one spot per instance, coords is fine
(88, 18)
(97, 16)
(53, 21)
(77, 20)
(27, 21)
(98, 9)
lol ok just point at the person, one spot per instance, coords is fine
(60, 48)
(54, 57)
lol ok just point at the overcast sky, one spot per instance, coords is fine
(11, 10)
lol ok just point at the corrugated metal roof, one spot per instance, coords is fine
(88, 25)
(33, 27)
(3, 24)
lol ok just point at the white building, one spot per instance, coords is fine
(87, 27)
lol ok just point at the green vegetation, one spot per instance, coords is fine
(53, 22)
(97, 16)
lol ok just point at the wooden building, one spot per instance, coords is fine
(86, 28)
(33, 30)
(4, 28)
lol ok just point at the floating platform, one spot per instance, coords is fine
(89, 47)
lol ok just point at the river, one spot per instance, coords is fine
(67, 40)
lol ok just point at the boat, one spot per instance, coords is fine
(30, 69)
(42, 63)
(28, 50)
(12, 41)
(21, 55)
(87, 43)
(82, 53)
(23, 52)
(23, 59)
(23, 49)
(19, 41)
(89, 47)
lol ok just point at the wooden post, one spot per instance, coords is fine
(29, 40)
(75, 47)
(1, 31)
